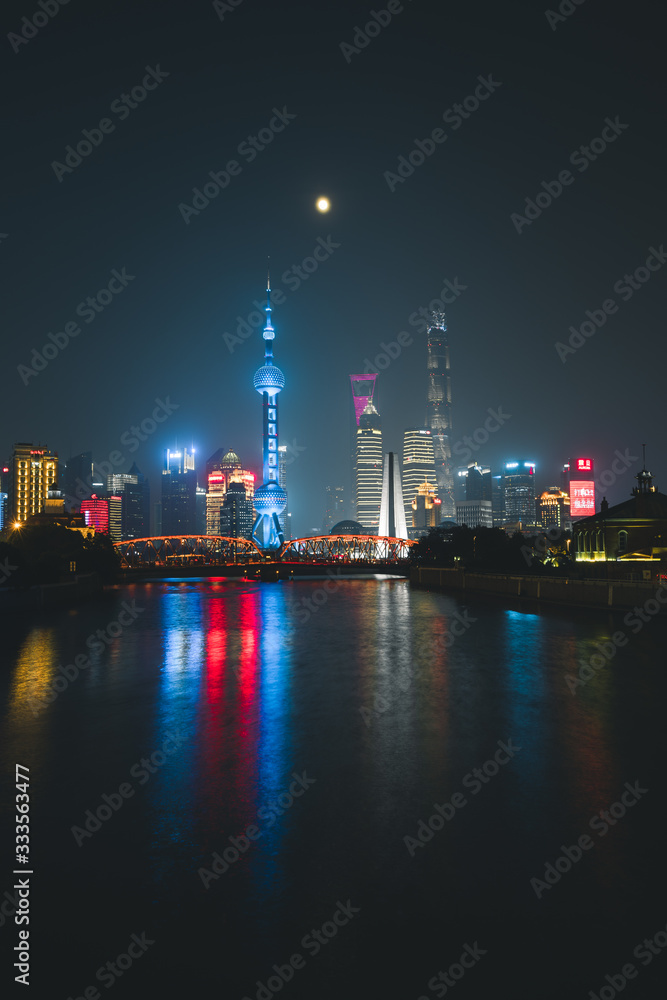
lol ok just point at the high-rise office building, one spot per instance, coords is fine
(363, 387)
(498, 500)
(460, 481)
(179, 493)
(553, 509)
(479, 485)
(200, 511)
(439, 409)
(334, 509)
(418, 465)
(368, 469)
(134, 489)
(95, 511)
(78, 479)
(392, 511)
(34, 472)
(474, 513)
(236, 513)
(425, 511)
(519, 492)
(215, 496)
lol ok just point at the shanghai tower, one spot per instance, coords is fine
(270, 499)
(439, 410)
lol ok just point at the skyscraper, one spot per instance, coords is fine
(392, 512)
(418, 465)
(179, 491)
(553, 509)
(439, 410)
(425, 511)
(479, 485)
(236, 513)
(215, 496)
(134, 489)
(334, 510)
(270, 499)
(368, 469)
(519, 492)
(363, 387)
(34, 473)
(78, 478)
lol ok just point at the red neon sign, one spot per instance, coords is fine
(582, 498)
(584, 464)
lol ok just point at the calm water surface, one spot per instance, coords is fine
(220, 701)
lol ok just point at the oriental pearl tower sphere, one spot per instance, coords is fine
(270, 499)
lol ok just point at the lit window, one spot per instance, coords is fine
(622, 541)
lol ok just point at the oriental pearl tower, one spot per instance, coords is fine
(270, 499)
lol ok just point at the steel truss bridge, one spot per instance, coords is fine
(218, 550)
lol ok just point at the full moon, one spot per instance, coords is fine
(323, 204)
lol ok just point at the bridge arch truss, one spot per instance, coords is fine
(168, 550)
(347, 548)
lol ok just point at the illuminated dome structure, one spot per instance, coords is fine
(270, 499)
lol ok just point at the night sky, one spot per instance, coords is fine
(223, 75)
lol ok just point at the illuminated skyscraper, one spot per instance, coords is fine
(425, 511)
(215, 496)
(34, 473)
(553, 509)
(392, 511)
(134, 489)
(363, 387)
(270, 499)
(418, 466)
(334, 510)
(236, 513)
(368, 469)
(519, 492)
(439, 410)
(179, 493)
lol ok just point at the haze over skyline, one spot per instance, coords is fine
(302, 116)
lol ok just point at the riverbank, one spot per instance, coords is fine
(552, 590)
